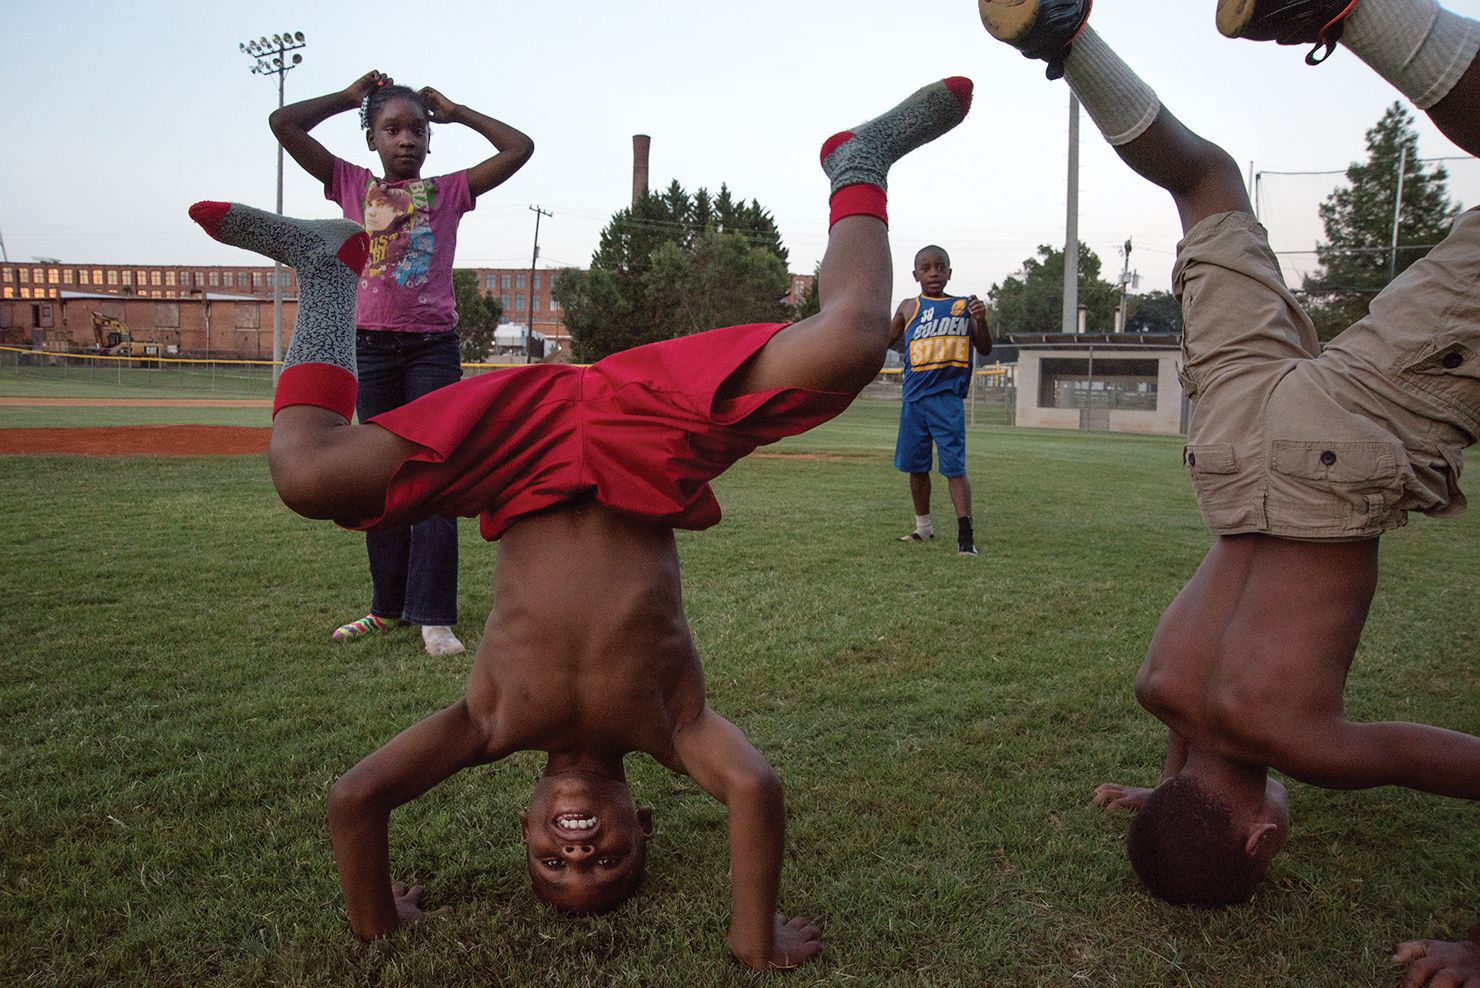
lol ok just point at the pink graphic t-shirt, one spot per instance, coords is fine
(407, 283)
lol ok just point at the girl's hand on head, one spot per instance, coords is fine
(440, 109)
(366, 84)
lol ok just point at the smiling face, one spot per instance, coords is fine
(932, 270)
(585, 842)
(399, 133)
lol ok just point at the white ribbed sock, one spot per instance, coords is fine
(924, 527)
(1418, 46)
(1115, 98)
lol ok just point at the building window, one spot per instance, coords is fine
(82, 277)
(503, 301)
(214, 279)
(554, 304)
(535, 302)
(128, 277)
(67, 276)
(504, 281)
(53, 276)
(38, 276)
(8, 275)
(169, 278)
(535, 282)
(488, 283)
(8, 292)
(519, 280)
(25, 275)
(256, 279)
(97, 276)
(154, 278)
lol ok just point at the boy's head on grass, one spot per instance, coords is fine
(1192, 847)
(398, 128)
(585, 841)
(932, 269)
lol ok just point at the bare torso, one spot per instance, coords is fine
(586, 646)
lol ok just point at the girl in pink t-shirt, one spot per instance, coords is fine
(406, 312)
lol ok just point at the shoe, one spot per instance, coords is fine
(1042, 29)
(1287, 22)
(367, 625)
(965, 547)
(916, 536)
(440, 640)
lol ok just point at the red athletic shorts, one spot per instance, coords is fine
(641, 432)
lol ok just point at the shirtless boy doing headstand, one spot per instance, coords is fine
(583, 474)
(1300, 458)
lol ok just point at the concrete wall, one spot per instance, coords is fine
(1165, 420)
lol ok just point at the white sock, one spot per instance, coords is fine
(1115, 98)
(440, 640)
(1416, 45)
(924, 527)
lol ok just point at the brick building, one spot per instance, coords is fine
(53, 297)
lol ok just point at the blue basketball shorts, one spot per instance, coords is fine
(939, 418)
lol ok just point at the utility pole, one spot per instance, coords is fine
(529, 340)
(1126, 277)
(1070, 321)
(4, 256)
(271, 58)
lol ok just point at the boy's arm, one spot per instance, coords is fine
(981, 336)
(897, 324)
(514, 146)
(290, 124)
(726, 765)
(360, 806)
(1334, 753)
(1116, 796)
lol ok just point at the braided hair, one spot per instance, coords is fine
(381, 95)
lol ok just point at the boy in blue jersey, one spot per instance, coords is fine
(939, 331)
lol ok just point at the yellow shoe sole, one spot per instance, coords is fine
(1008, 20)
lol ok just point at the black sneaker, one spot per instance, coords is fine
(1287, 22)
(965, 546)
(1042, 29)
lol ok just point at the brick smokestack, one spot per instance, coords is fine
(640, 145)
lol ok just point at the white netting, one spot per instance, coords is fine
(1288, 205)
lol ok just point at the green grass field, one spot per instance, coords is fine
(175, 714)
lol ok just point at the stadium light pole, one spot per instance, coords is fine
(271, 58)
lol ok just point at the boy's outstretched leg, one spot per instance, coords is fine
(322, 466)
(842, 347)
(1425, 51)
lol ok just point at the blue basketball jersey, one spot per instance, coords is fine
(937, 347)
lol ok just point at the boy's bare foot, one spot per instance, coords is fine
(1439, 962)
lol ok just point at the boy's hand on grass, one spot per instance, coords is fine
(798, 940)
(1113, 796)
(1439, 962)
(408, 904)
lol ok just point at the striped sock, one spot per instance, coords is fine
(319, 367)
(857, 161)
(367, 625)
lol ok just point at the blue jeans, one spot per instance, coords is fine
(413, 570)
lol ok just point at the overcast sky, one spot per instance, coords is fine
(122, 114)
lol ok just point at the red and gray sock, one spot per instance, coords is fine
(857, 161)
(319, 367)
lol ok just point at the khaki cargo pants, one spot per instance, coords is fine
(1336, 445)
